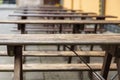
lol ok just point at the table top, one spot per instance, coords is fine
(62, 15)
(53, 39)
(59, 21)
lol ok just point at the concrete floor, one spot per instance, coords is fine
(6, 29)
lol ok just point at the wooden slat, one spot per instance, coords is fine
(60, 21)
(55, 67)
(62, 39)
(45, 30)
(45, 27)
(18, 72)
(62, 15)
(39, 12)
(45, 9)
(106, 65)
(43, 6)
(58, 53)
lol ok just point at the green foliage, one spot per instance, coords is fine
(1, 1)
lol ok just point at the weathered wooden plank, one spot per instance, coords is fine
(43, 12)
(43, 6)
(29, 39)
(106, 65)
(60, 21)
(118, 67)
(46, 30)
(18, 72)
(58, 53)
(56, 39)
(55, 67)
(51, 29)
(62, 15)
(43, 27)
(46, 9)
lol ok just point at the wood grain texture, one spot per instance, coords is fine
(46, 9)
(53, 12)
(46, 30)
(57, 39)
(18, 68)
(63, 15)
(55, 67)
(60, 21)
(58, 53)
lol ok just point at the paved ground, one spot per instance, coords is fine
(6, 29)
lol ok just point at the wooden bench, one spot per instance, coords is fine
(47, 9)
(61, 16)
(61, 30)
(14, 44)
(91, 22)
(55, 67)
(39, 12)
(53, 30)
(45, 30)
(58, 53)
(44, 6)
(76, 23)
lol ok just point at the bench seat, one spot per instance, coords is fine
(55, 67)
(59, 53)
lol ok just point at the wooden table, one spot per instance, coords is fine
(15, 42)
